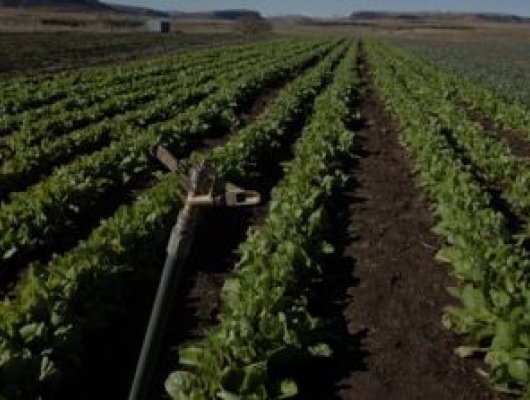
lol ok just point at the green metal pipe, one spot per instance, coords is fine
(178, 249)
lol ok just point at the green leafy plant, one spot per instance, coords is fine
(265, 325)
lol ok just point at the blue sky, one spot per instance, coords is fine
(337, 7)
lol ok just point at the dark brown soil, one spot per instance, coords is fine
(258, 106)
(401, 292)
(387, 290)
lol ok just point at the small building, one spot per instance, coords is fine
(158, 25)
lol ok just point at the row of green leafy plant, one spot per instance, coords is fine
(30, 127)
(146, 66)
(498, 64)
(492, 157)
(21, 95)
(31, 220)
(265, 327)
(505, 114)
(28, 164)
(45, 327)
(88, 100)
(41, 59)
(35, 98)
(490, 265)
(94, 102)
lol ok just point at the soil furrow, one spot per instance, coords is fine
(389, 340)
(401, 292)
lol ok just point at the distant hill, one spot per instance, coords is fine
(217, 14)
(440, 16)
(138, 11)
(84, 4)
(229, 15)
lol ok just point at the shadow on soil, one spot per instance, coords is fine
(329, 296)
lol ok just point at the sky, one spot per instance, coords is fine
(326, 8)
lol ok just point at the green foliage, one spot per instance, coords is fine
(31, 219)
(500, 65)
(45, 137)
(490, 263)
(44, 328)
(265, 325)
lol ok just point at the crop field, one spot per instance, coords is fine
(501, 65)
(387, 260)
(23, 53)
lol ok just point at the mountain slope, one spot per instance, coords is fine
(90, 4)
(441, 16)
(217, 14)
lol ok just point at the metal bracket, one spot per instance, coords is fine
(213, 194)
(236, 197)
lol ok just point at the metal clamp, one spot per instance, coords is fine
(227, 195)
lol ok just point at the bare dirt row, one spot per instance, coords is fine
(385, 292)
